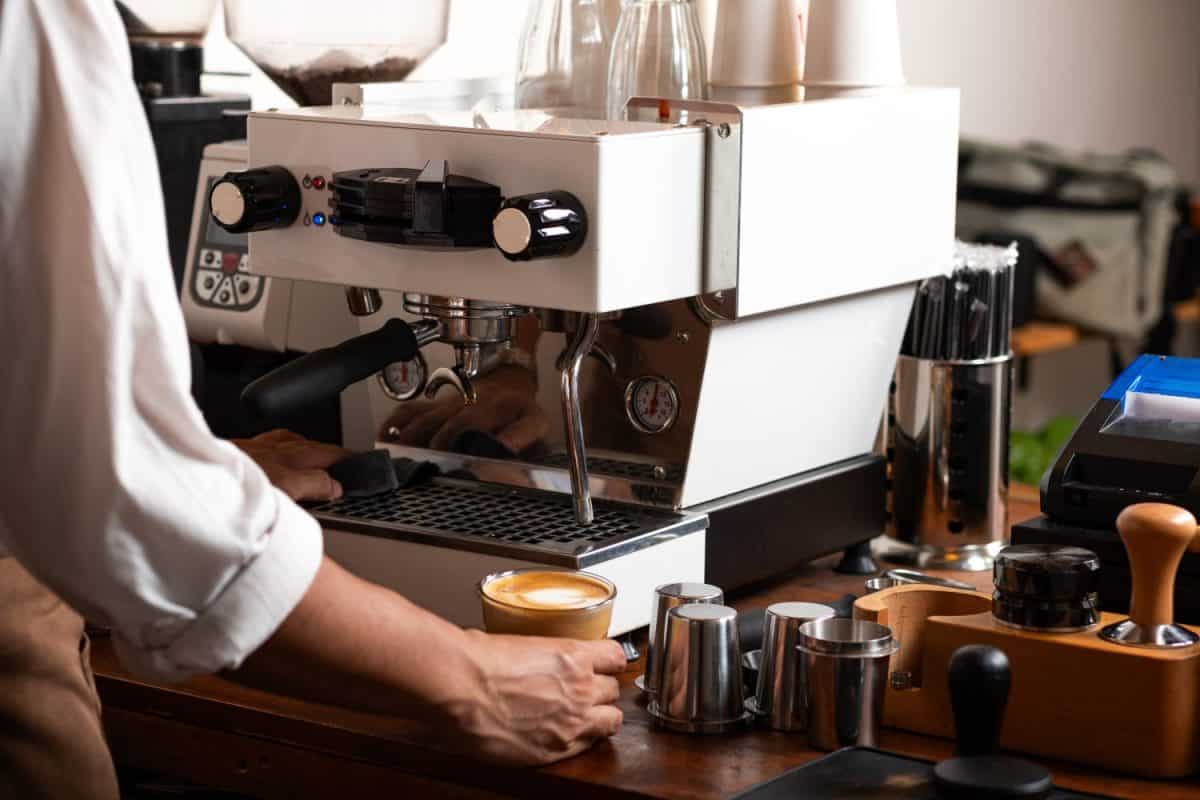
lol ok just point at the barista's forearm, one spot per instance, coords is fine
(353, 644)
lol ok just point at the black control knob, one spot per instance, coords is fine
(255, 200)
(980, 677)
(546, 225)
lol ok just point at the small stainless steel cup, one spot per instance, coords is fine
(845, 669)
(666, 597)
(778, 699)
(701, 689)
(879, 584)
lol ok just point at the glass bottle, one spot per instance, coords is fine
(658, 51)
(563, 60)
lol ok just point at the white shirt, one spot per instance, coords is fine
(114, 493)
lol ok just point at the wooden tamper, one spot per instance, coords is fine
(1155, 536)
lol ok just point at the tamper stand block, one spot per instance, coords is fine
(1074, 697)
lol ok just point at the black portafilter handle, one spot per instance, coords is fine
(324, 373)
(980, 678)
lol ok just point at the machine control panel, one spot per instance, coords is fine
(255, 200)
(427, 207)
(544, 225)
(220, 277)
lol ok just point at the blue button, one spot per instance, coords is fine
(318, 218)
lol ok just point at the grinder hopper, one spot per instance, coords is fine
(177, 20)
(305, 47)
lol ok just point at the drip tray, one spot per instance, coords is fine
(528, 524)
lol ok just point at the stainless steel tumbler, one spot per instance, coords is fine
(845, 668)
(779, 697)
(948, 447)
(666, 597)
(701, 689)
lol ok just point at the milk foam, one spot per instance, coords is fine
(547, 591)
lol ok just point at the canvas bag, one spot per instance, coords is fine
(1105, 221)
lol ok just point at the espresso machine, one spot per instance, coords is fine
(707, 300)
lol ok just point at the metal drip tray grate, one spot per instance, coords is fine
(530, 524)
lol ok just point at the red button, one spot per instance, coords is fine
(229, 262)
(318, 182)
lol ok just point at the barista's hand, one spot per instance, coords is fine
(538, 700)
(296, 465)
(507, 408)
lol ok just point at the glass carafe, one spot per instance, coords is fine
(563, 61)
(658, 51)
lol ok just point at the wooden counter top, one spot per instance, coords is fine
(216, 733)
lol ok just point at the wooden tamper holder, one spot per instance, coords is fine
(1155, 536)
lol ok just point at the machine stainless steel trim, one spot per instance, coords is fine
(363, 302)
(613, 476)
(525, 524)
(722, 124)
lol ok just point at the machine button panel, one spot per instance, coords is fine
(221, 279)
(206, 284)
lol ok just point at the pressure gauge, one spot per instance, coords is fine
(652, 404)
(404, 380)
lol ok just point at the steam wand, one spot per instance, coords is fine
(582, 342)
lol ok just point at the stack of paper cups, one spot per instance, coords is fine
(853, 48)
(756, 55)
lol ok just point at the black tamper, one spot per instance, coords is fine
(979, 681)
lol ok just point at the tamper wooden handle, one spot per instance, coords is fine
(1155, 536)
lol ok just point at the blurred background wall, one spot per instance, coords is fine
(1095, 74)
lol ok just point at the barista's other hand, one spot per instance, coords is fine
(297, 466)
(506, 408)
(538, 700)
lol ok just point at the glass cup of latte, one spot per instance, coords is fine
(546, 602)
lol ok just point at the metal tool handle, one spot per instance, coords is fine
(325, 373)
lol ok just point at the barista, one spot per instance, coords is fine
(118, 500)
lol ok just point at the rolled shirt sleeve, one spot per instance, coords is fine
(115, 493)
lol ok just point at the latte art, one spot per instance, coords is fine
(540, 602)
(537, 590)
